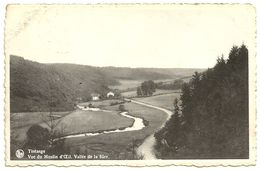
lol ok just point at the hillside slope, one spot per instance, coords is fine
(33, 86)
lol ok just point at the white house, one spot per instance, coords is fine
(95, 96)
(110, 94)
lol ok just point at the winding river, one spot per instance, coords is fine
(137, 125)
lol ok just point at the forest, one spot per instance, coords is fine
(177, 84)
(210, 120)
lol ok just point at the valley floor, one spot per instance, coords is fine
(122, 145)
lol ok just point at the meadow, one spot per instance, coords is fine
(132, 94)
(127, 84)
(130, 85)
(68, 122)
(21, 122)
(162, 100)
(81, 121)
(102, 104)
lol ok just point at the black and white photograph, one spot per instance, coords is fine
(130, 84)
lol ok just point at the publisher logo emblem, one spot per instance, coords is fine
(19, 153)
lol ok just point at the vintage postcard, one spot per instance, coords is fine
(133, 85)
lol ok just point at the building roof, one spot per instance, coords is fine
(95, 94)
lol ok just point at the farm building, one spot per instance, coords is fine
(110, 94)
(79, 99)
(95, 96)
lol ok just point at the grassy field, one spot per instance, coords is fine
(21, 122)
(164, 100)
(102, 103)
(68, 123)
(89, 121)
(126, 84)
(131, 84)
(119, 145)
(130, 94)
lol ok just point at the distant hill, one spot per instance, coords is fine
(175, 72)
(34, 86)
(134, 73)
(148, 73)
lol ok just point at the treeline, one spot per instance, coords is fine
(177, 84)
(147, 88)
(211, 118)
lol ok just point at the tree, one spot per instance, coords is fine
(139, 91)
(38, 137)
(147, 88)
(195, 81)
(177, 84)
(176, 107)
(174, 127)
(186, 99)
(151, 86)
(52, 123)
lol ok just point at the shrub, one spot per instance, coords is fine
(121, 108)
(38, 136)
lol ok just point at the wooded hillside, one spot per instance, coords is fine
(211, 118)
(34, 85)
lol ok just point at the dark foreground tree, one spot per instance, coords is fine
(41, 139)
(38, 137)
(214, 107)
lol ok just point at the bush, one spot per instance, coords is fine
(38, 136)
(41, 138)
(121, 108)
(146, 123)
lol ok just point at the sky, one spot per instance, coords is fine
(163, 36)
